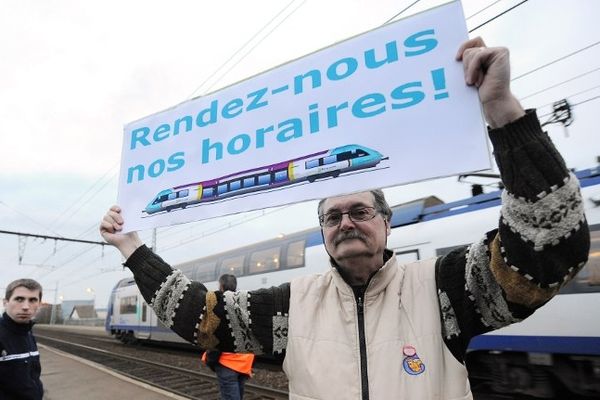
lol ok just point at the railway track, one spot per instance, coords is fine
(200, 385)
(180, 381)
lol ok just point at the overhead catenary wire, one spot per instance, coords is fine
(497, 16)
(573, 105)
(571, 96)
(89, 276)
(555, 61)
(83, 195)
(70, 260)
(586, 101)
(94, 194)
(225, 227)
(30, 219)
(62, 238)
(253, 47)
(483, 9)
(559, 84)
(244, 45)
(57, 250)
(400, 12)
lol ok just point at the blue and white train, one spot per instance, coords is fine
(327, 163)
(558, 347)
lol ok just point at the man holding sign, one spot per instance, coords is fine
(371, 328)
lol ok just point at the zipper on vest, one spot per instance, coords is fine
(364, 378)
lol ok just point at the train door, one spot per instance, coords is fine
(144, 320)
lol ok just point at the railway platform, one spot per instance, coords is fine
(67, 377)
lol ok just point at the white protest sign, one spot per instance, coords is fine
(384, 108)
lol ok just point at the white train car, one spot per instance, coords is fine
(558, 347)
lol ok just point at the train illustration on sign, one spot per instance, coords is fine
(327, 163)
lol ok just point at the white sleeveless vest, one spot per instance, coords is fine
(402, 317)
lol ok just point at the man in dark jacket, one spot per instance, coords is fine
(19, 357)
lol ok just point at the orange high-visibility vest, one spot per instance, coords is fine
(239, 362)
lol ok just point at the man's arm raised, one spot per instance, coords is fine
(226, 321)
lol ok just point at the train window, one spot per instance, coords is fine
(172, 196)
(208, 192)
(295, 254)
(264, 179)
(408, 256)
(126, 282)
(222, 188)
(249, 182)
(329, 160)
(346, 155)
(128, 305)
(312, 163)
(235, 185)
(588, 279)
(264, 260)
(232, 265)
(183, 193)
(187, 271)
(442, 251)
(281, 176)
(160, 199)
(361, 153)
(144, 312)
(205, 272)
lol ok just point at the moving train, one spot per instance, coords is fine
(327, 163)
(557, 348)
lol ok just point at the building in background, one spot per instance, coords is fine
(68, 305)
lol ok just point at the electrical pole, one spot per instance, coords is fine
(53, 313)
(154, 240)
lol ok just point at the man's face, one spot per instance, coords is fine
(354, 239)
(22, 305)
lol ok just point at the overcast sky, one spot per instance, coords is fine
(73, 73)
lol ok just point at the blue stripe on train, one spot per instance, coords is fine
(538, 344)
(141, 328)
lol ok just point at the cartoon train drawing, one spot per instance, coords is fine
(324, 164)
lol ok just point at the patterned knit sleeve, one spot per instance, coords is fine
(242, 322)
(541, 242)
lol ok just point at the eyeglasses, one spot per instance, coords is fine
(334, 218)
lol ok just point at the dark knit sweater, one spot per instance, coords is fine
(541, 242)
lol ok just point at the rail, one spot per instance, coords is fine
(183, 382)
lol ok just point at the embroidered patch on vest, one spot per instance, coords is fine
(412, 364)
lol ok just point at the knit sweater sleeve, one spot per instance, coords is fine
(243, 321)
(541, 242)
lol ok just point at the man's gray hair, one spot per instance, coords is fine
(26, 283)
(379, 203)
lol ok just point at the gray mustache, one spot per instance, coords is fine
(349, 235)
